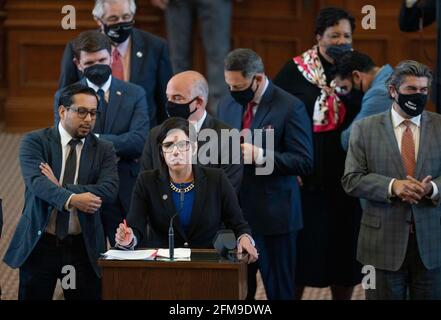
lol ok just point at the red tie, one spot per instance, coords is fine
(248, 115)
(117, 65)
(408, 149)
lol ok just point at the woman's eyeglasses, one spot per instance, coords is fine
(183, 145)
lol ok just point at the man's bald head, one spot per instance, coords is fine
(190, 83)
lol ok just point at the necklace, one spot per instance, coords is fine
(178, 190)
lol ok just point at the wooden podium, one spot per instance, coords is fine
(205, 277)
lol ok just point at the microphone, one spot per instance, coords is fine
(171, 232)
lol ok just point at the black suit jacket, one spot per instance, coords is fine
(271, 203)
(215, 203)
(150, 68)
(97, 174)
(150, 156)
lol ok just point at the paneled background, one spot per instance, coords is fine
(32, 43)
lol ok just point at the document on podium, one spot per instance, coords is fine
(179, 253)
(130, 254)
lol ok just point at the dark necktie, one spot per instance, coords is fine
(248, 115)
(102, 108)
(62, 223)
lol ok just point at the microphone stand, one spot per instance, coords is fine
(171, 233)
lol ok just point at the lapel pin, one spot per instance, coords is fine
(139, 54)
(164, 197)
(118, 93)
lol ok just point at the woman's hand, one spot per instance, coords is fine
(124, 235)
(245, 244)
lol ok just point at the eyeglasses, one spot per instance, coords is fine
(116, 19)
(183, 145)
(83, 112)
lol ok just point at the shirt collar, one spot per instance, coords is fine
(65, 136)
(198, 124)
(265, 86)
(122, 47)
(105, 86)
(397, 119)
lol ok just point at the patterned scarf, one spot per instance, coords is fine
(329, 110)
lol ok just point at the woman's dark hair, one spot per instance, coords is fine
(329, 17)
(173, 123)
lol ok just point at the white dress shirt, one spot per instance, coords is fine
(74, 223)
(260, 159)
(399, 127)
(105, 87)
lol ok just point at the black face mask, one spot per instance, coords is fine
(98, 74)
(180, 110)
(412, 104)
(119, 32)
(361, 90)
(243, 97)
(335, 51)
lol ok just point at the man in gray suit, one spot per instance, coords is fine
(394, 162)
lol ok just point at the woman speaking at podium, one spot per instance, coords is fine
(194, 200)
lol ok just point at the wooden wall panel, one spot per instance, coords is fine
(277, 30)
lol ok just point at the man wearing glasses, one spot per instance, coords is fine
(137, 56)
(123, 118)
(69, 174)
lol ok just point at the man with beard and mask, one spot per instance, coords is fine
(271, 202)
(69, 174)
(187, 94)
(137, 56)
(357, 71)
(326, 244)
(123, 118)
(393, 163)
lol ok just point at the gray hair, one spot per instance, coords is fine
(244, 60)
(98, 9)
(409, 68)
(200, 88)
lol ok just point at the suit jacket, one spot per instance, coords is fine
(150, 68)
(150, 156)
(97, 174)
(271, 203)
(409, 19)
(373, 160)
(215, 203)
(126, 126)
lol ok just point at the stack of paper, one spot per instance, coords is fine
(130, 254)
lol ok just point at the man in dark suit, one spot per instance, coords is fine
(68, 174)
(393, 163)
(187, 94)
(415, 15)
(123, 119)
(271, 202)
(138, 56)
